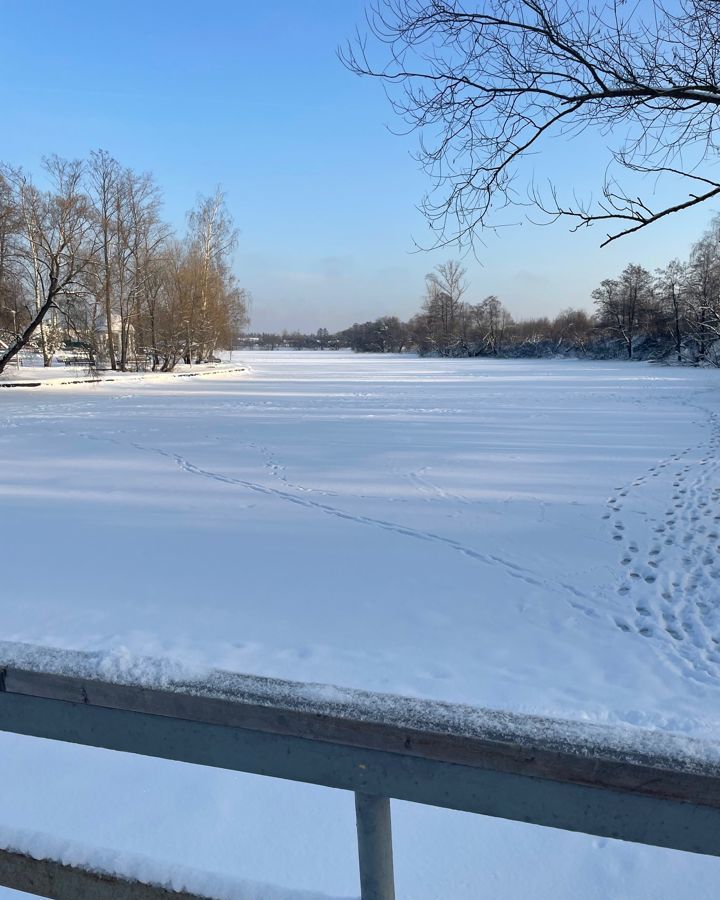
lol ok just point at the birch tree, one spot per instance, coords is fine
(104, 177)
(212, 238)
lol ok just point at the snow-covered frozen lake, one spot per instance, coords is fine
(534, 535)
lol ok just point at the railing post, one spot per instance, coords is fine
(375, 853)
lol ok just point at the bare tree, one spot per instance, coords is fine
(703, 288)
(88, 262)
(670, 288)
(145, 237)
(488, 84)
(573, 327)
(491, 321)
(104, 177)
(166, 308)
(212, 239)
(55, 244)
(622, 303)
(131, 235)
(12, 311)
(443, 306)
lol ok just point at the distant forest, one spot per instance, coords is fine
(672, 314)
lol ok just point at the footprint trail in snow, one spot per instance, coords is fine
(671, 581)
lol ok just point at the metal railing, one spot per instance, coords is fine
(645, 787)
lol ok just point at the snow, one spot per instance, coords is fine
(624, 743)
(532, 536)
(60, 375)
(116, 666)
(104, 861)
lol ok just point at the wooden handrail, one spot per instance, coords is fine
(642, 786)
(642, 762)
(56, 880)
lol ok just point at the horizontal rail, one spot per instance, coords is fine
(58, 881)
(619, 783)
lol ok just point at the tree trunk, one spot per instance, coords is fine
(108, 306)
(110, 337)
(46, 355)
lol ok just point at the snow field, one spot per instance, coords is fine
(539, 536)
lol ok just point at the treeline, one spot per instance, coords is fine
(671, 314)
(290, 340)
(88, 267)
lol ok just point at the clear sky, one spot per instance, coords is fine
(251, 95)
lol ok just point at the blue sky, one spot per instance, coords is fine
(251, 96)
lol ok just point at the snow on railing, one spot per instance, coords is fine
(627, 783)
(51, 866)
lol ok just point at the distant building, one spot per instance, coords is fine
(101, 332)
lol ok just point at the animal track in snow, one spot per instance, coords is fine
(577, 599)
(279, 471)
(430, 490)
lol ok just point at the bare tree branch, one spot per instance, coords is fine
(487, 84)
